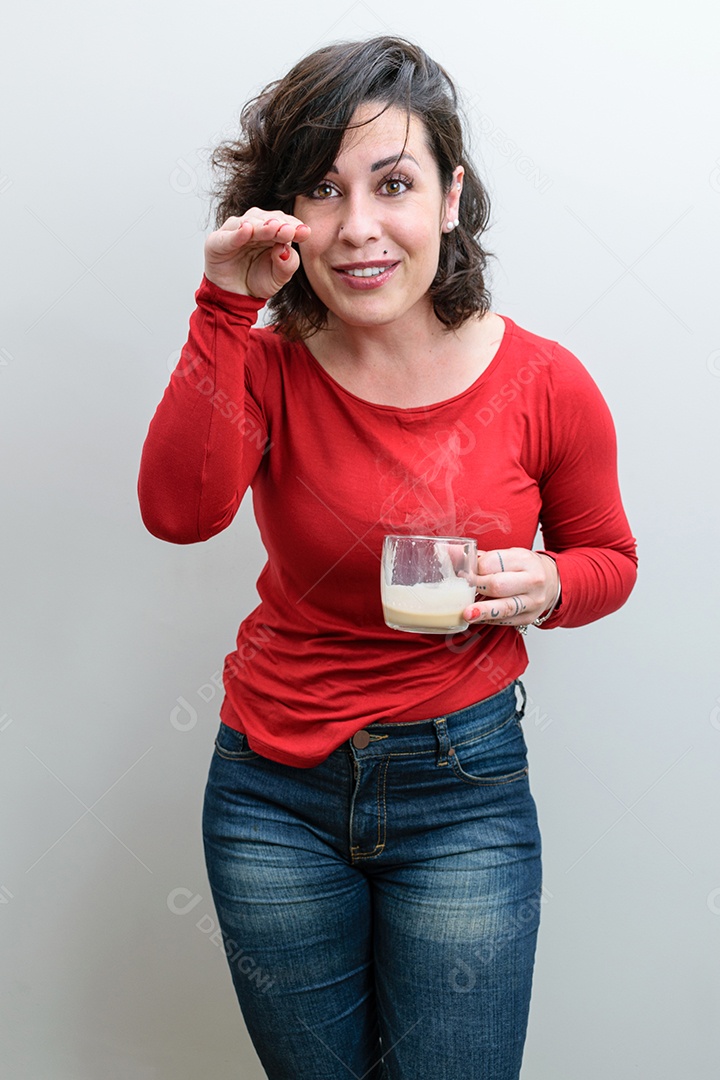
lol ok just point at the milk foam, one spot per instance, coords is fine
(438, 605)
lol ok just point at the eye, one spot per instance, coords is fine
(396, 185)
(324, 190)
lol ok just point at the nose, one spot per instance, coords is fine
(359, 220)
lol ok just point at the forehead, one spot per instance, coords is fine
(387, 133)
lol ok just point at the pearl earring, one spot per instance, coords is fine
(452, 225)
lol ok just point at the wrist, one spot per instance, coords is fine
(548, 611)
(226, 299)
(229, 284)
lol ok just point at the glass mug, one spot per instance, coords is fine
(423, 582)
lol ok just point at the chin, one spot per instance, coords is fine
(376, 311)
(366, 318)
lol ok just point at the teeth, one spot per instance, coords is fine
(368, 271)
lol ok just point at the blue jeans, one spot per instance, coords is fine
(379, 911)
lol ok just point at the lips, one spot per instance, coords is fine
(366, 275)
(366, 271)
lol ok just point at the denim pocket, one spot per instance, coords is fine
(233, 745)
(495, 757)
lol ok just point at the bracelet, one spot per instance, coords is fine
(544, 618)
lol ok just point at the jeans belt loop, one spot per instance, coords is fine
(520, 706)
(443, 739)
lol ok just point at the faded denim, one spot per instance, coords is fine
(389, 898)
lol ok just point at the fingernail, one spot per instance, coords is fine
(285, 253)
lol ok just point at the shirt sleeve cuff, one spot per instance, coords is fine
(233, 303)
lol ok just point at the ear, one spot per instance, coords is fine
(452, 199)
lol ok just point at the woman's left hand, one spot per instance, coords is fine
(515, 586)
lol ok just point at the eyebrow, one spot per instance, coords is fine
(384, 162)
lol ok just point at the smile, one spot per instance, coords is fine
(366, 277)
(368, 271)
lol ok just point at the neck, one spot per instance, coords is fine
(410, 362)
(403, 345)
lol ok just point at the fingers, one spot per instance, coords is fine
(503, 611)
(264, 227)
(256, 216)
(284, 262)
(457, 553)
(273, 231)
(500, 562)
(512, 586)
(238, 233)
(252, 254)
(507, 572)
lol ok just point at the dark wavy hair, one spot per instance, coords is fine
(291, 134)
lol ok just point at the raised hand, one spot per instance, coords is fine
(252, 255)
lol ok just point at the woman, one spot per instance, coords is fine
(371, 839)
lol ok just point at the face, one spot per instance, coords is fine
(377, 223)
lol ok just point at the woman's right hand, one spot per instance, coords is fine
(251, 255)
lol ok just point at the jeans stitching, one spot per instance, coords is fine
(489, 781)
(382, 817)
(379, 724)
(236, 755)
(434, 752)
(484, 735)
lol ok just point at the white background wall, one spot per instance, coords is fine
(606, 241)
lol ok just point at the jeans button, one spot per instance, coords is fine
(361, 739)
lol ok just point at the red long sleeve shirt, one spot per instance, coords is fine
(530, 442)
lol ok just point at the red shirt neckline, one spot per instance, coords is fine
(423, 409)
